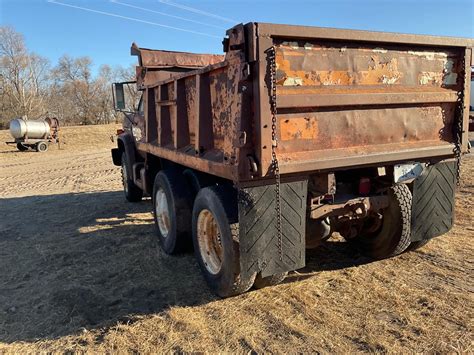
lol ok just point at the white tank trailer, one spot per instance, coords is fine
(34, 134)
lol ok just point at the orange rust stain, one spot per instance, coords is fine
(430, 78)
(293, 53)
(381, 73)
(282, 90)
(298, 128)
(377, 73)
(284, 65)
(334, 77)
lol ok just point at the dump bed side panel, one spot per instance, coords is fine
(194, 118)
(349, 102)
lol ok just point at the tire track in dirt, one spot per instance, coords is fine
(82, 271)
(60, 171)
(32, 158)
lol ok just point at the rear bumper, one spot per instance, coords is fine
(358, 157)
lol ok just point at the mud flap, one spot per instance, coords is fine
(116, 156)
(433, 201)
(259, 244)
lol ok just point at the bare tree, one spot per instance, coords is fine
(73, 77)
(24, 77)
(91, 96)
(106, 114)
(71, 91)
(132, 95)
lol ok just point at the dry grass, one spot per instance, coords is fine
(81, 270)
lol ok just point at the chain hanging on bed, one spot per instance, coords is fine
(275, 167)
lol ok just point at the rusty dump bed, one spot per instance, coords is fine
(155, 65)
(344, 99)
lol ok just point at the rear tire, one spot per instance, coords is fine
(394, 236)
(172, 207)
(216, 240)
(41, 147)
(132, 192)
(261, 282)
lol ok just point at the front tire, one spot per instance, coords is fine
(216, 240)
(172, 208)
(394, 236)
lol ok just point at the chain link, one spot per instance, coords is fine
(275, 167)
(458, 131)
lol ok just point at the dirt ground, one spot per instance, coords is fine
(80, 269)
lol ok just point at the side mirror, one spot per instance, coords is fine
(122, 102)
(119, 96)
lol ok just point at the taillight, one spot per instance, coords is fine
(120, 131)
(364, 186)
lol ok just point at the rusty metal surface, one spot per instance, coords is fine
(344, 158)
(197, 117)
(53, 123)
(295, 97)
(153, 58)
(344, 98)
(353, 127)
(466, 96)
(302, 63)
(356, 207)
(148, 76)
(198, 163)
(296, 32)
(361, 99)
(159, 65)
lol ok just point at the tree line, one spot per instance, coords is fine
(70, 91)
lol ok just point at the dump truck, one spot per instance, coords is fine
(295, 134)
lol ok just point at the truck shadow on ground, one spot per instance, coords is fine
(90, 260)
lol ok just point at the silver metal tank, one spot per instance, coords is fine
(19, 128)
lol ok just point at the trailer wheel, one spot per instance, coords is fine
(172, 208)
(42, 147)
(21, 147)
(261, 282)
(216, 240)
(393, 237)
(132, 192)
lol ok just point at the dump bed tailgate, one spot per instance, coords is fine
(349, 98)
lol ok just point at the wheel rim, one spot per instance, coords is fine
(162, 212)
(124, 177)
(210, 241)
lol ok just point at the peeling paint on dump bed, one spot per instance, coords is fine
(337, 64)
(450, 77)
(430, 78)
(381, 72)
(446, 77)
(344, 99)
(429, 55)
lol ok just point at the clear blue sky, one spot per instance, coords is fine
(53, 30)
